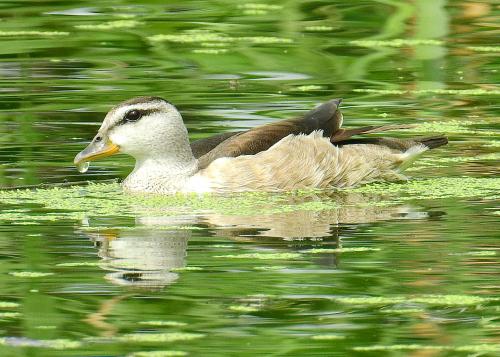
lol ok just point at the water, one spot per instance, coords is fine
(87, 271)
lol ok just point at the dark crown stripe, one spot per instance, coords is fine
(143, 100)
(144, 112)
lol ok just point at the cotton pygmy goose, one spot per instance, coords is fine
(311, 151)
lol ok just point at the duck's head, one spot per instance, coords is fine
(142, 127)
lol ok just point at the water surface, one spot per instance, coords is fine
(404, 269)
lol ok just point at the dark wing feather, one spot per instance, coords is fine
(202, 146)
(326, 117)
(402, 145)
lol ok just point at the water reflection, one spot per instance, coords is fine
(143, 257)
(148, 255)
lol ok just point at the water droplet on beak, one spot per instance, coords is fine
(82, 167)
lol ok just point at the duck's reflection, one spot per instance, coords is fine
(148, 255)
(144, 256)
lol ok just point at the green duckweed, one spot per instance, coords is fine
(9, 315)
(270, 268)
(192, 37)
(210, 51)
(57, 344)
(396, 43)
(327, 337)
(262, 256)
(29, 274)
(308, 88)
(212, 37)
(440, 187)
(163, 323)
(79, 202)
(259, 6)
(484, 48)
(461, 92)
(318, 28)
(449, 126)
(32, 33)
(402, 311)
(8, 305)
(341, 250)
(159, 354)
(187, 269)
(243, 308)
(434, 162)
(480, 253)
(467, 348)
(78, 264)
(435, 300)
(159, 337)
(111, 25)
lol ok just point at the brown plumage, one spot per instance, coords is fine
(326, 117)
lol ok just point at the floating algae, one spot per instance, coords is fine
(198, 36)
(255, 6)
(158, 323)
(110, 25)
(186, 269)
(270, 268)
(57, 344)
(9, 315)
(159, 337)
(243, 308)
(484, 48)
(450, 126)
(261, 256)
(396, 43)
(8, 305)
(327, 337)
(461, 92)
(210, 51)
(97, 200)
(158, 354)
(435, 162)
(32, 33)
(308, 88)
(403, 311)
(29, 274)
(78, 264)
(435, 300)
(468, 348)
(481, 253)
(341, 250)
(258, 9)
(436, 188)
(318, 28)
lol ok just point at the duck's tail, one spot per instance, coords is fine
(402, 145)
(432, 142)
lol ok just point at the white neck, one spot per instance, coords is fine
(160, 176)
(166, 169)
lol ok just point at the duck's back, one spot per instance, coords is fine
(308, 161)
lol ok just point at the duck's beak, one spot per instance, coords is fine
(100, 147)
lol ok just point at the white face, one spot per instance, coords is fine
(145, 128)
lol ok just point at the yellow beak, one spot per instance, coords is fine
(97, 149)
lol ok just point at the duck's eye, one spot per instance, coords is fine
(132, 115)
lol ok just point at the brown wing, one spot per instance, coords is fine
(402, 145)
(202, 146)
(344, 134)
(326, 117)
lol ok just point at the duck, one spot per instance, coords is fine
(312, 151)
